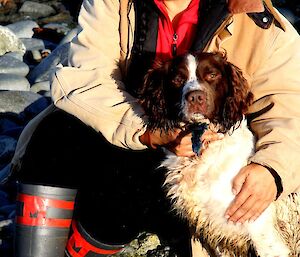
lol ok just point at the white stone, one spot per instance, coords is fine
(9, 42)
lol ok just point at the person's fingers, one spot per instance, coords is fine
(252, 198)
(185, 153)
(3, 2)
(242, 192)
(183, 135)
(181, 150)
(257, 209)
(248, 210)
(239, 180)
(238, 207)
(183, 147)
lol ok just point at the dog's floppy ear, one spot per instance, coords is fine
(239, 96)
(151, 95)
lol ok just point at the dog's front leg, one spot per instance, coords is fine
(265, 237)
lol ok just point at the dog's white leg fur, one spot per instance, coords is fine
(201, 190)
(265, 237)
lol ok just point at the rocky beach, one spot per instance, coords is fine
(34, 38)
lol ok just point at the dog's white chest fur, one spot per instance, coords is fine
(201, 187)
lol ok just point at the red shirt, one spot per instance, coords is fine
(171, 40)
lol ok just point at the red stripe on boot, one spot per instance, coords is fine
(35, 210)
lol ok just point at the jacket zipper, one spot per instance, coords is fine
(174, 44)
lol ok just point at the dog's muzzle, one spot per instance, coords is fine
(194, 105)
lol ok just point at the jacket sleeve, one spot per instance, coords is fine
(276, 110)
(91, 87)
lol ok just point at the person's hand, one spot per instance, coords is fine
(3, 2)
(208, 137)
(255, 189)
(177, 141)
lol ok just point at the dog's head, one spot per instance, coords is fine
(192, 88)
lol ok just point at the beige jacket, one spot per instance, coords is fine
(91, 88)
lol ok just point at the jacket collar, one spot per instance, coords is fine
(239, 6)
(245, 6)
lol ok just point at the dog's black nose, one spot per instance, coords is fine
(195, 97)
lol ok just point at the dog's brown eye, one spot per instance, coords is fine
(212, 76)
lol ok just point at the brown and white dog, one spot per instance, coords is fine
(206, 88)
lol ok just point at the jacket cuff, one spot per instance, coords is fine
(145, 139)
(277, 179)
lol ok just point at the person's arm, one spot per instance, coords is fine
(276, 110)
(92, 88)
(276, 123)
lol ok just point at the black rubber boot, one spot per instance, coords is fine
(44, 216)
(82, 244)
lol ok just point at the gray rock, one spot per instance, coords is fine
(9, 42)
(36, 10)
(142, 245)
(43, 70)
(11, 65)
(61, 17)
(13, 82)
(18, 101)
(59, 27)
(33, 44)
(5, 223)
(16, 55)
(14, 17)
(40, 87)
(23, 29)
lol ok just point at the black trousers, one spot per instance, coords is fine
(119, 191)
